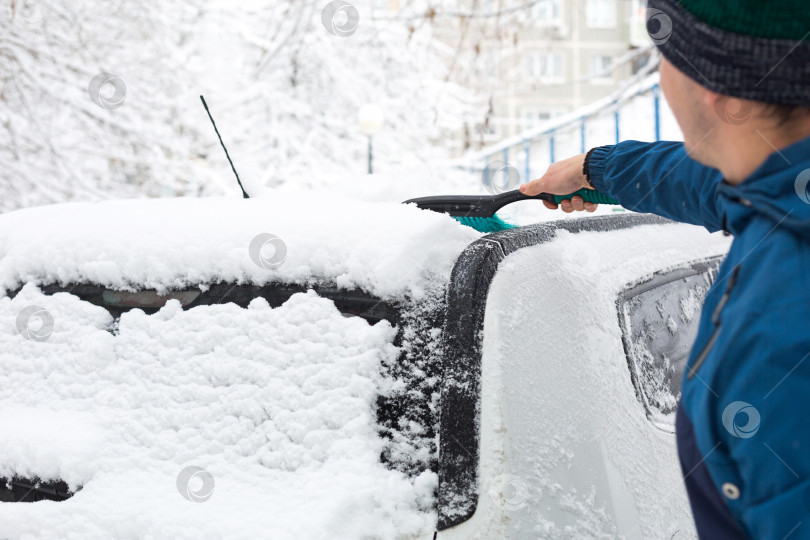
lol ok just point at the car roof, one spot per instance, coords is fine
(386, 249)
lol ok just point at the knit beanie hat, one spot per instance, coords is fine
(750, 49)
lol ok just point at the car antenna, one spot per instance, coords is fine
(244, 193)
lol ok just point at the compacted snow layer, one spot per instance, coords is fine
(215, 422)
(387, 249)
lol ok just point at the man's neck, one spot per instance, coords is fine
(745, 151)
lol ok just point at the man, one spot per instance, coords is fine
(736, 74)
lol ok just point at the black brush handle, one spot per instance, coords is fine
(486, 205)
(473, 205)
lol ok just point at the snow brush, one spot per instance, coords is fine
(478, 211)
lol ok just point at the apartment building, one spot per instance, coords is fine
(565, 59)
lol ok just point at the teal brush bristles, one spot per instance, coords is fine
(484, 224)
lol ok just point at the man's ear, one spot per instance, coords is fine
(730, 110)
(710, 98)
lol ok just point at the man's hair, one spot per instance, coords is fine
(784, 114)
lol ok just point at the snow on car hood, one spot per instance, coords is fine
(387, 249)
(214, 422)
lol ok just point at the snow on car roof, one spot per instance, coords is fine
(215, 422)
(385, 248)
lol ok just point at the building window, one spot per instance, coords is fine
(545, 66)
(638, 24)
(486, 130)
(601, 13)
(640, 62)
(547, 12)
(600, 64)
(534, 117)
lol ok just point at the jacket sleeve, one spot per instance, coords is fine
(659, 178)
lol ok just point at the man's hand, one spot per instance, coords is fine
(561, 178)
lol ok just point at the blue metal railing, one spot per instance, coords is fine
(526, 140)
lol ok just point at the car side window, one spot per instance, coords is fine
(659, 319)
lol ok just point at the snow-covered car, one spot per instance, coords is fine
(313, 368)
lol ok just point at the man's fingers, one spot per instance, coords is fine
(532, 188)
(574, 204)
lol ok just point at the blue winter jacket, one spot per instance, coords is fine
(743, 424)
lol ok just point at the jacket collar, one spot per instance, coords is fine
(779, 189)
